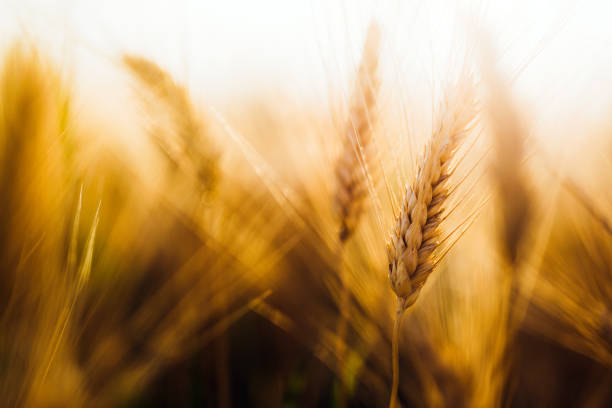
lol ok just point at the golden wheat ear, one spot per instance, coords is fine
(351, 166)
(508, 134)
(185, 150)
(37, 143)
(417, 230)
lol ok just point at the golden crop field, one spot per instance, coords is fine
(305, 204)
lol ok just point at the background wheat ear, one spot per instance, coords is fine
(352, 165)
(508, 134)
(414, 238)
(184, 145)
(352, 173)
(37, 292)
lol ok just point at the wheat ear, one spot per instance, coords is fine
(351, 174)
(509, 136)
(417, 229)
(191, 157)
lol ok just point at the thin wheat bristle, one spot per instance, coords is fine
(350, 167)
(416, 232)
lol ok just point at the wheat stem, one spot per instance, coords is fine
(395, 354)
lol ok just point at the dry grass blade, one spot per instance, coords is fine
(82, 276)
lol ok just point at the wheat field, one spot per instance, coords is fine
(422, 219)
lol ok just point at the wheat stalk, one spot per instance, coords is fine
(415, 236)
(514, 196)
(351, 171)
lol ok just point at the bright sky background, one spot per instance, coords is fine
(305, 49)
